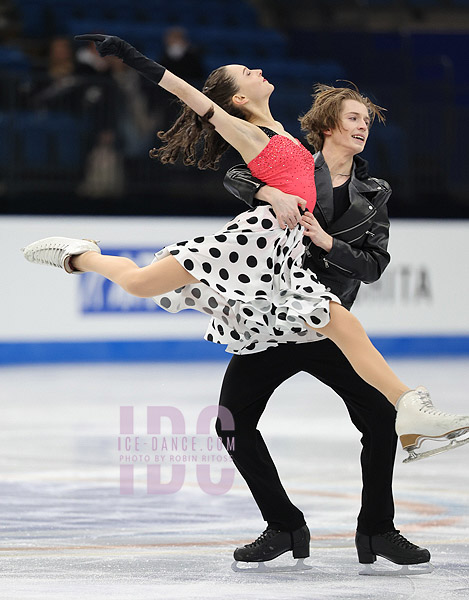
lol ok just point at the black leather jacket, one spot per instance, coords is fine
(361, 234)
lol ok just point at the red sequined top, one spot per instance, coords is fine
(288, 166)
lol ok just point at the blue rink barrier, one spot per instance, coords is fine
(14, 353)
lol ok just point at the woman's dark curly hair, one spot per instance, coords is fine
(182, 139)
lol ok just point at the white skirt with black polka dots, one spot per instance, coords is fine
(252, 284)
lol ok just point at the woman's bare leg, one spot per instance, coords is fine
(346, 331)
(158, 278)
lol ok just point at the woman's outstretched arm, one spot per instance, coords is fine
(245, 137)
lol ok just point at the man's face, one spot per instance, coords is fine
(353, 129)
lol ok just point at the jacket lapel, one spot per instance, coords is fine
(324, 194)
(360, 206)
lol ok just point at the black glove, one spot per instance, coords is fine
(111, 45)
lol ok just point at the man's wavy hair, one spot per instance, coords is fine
(324, 113)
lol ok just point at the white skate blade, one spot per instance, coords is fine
(404, 570)
(261, 567)
(419, 455)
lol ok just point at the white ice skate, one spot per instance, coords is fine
(57, 251)
(418, 420)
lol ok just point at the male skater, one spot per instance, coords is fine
(349, 229)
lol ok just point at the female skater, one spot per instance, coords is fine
(249, 275)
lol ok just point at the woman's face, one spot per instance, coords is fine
(252, 85)
(353, 128)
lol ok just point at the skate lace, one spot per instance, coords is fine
(396, 538)
(427, 405)
(265, 535)
(50, 256)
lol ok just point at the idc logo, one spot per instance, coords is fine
(177, 451)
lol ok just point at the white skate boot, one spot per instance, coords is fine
(57, 251)
(418, 420)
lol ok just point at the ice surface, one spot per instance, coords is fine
(67, 532)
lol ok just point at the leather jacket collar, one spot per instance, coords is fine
(361, 186)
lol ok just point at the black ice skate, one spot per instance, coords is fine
(393, 547)
(271, 544)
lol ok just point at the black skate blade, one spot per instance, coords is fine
(261, 567)
(413, 456)
(404, 570)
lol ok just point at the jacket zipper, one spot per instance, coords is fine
(372, 214)
(328, 262)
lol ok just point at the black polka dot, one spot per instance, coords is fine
(261, 242)
(190, 302)
(315, 320)
(266, 223)
(270, 263)
(209, 311)
(267, 278)
(282, 316)
(242, 239)
(308, 289)
(235, 335)
(166, 302)
(252, 220)
(212, 302)
(251, 261)
(289, 262)
(220, 329)
(224, 274)
(179, 290)
(204, 281)
(221, 238)
(231, 227)
(251, 346)
(244, 278)
(277, 268)
(193, 250)
(174, 252)
(278, 331)
(188, 264)
(215, 252)
(207, 267)
(221, 288)
(298, 274)
(209, 337)
(239, 292)
(248, 312)
(261, 293)
(234, 257)
(199, 240)
(226, 310)
(196, 293)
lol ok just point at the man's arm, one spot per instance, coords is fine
(240, 182)
(365, 263)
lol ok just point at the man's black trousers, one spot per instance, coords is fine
(249, 382)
